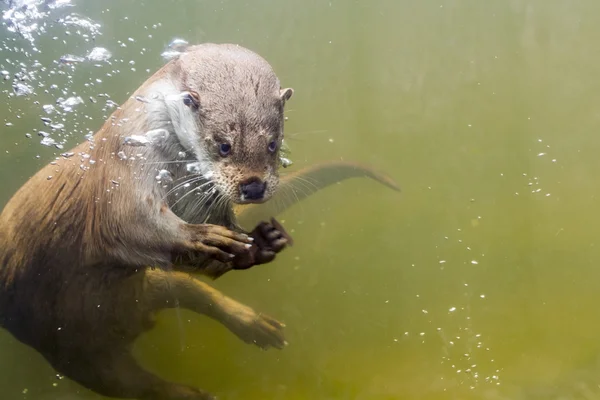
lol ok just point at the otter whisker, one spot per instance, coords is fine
(191, 181)
(206, 190)
(307, 181)
(193, 190)
(290, 189)
(209, 210)
(220, 202)
(205, 197)
(184, 196)
(294, 134)
(282, 203)
(186, 176)
(224, 204)
(169, 162)
(303, 186)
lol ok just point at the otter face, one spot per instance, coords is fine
(240, 141)
(225, 105)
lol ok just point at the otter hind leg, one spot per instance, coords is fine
(115, 373)
(170, 289)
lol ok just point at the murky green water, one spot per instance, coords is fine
(479, 281)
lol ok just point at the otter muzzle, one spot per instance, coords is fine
(253, 189)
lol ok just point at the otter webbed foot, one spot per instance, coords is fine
(254, 328)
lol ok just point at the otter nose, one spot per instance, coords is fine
(253, 189)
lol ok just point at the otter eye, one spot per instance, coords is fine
(225, 149)
(192, 99)
(272, 146)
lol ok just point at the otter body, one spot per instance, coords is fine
(93, 245)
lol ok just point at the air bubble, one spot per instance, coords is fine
(164, 176)
(68, 104)
(136, 140)
(48, 141)
(22, 89)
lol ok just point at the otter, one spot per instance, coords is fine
(100, 240)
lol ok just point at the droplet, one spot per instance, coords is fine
(194, 168)
(285, 162)
(169, 55)
(68, 104)
(71, 59)
(157, 135)
(164, 176)
(136, 140)
(174, 49)
(48, 141)
(48, 108)
(22, 89)
(178, 44)
(99, 54)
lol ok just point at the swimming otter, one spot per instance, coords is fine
(93, 245)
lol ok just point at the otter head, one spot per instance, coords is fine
(229, 113)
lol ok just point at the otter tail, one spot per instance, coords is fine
(310, 180)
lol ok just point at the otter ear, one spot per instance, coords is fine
(286, 94)
(191, 99)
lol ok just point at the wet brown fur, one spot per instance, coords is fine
(89, 255)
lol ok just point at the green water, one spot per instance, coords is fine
(479, 281)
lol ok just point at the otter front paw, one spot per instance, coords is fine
(269, 239)
(216, 241)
